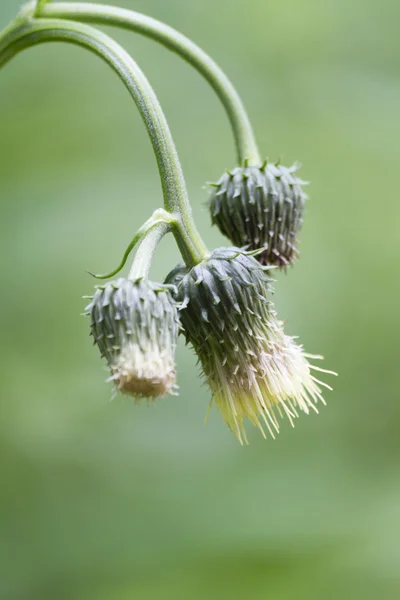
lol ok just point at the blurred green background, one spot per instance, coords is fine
(111, 501)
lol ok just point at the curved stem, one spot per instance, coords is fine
(39, 5)
(38, 31)
(246, 144)
(159, 217)
(144, 255)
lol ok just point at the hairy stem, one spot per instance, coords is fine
(246, 144)
(144, 255)
(36, 31)
(158, 219)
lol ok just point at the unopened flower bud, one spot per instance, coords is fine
(253, 369)
(135, 325)
(261, 207)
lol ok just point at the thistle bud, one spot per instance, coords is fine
(261, 207)
(253, 369)
(135, 325)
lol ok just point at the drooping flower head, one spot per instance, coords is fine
(261, 207)
(135, 325)
(253, 369)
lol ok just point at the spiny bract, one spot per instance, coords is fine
(261, 207)
(251, 366)
(135, 325)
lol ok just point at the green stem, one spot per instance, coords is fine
(247, 150)
(37, 31)
(159, 218)
(39, 5)
(144, 255)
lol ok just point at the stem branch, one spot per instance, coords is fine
(36, 31)
(246, 144)
(158, 219)
(144, 255)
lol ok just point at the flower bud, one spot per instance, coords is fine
(135, 325)
(253, 369)
(261, 207)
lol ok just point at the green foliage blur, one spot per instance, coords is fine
(107, 500)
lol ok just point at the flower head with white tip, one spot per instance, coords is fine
(135, 325)
(253, 369)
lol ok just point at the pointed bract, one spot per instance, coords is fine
(253, 369)
(135, 325)
(261, 207)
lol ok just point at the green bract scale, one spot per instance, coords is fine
(253, 369)
(261, 207)
(135, 325)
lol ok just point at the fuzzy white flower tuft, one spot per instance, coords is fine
(135, 324)
(253, 369)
